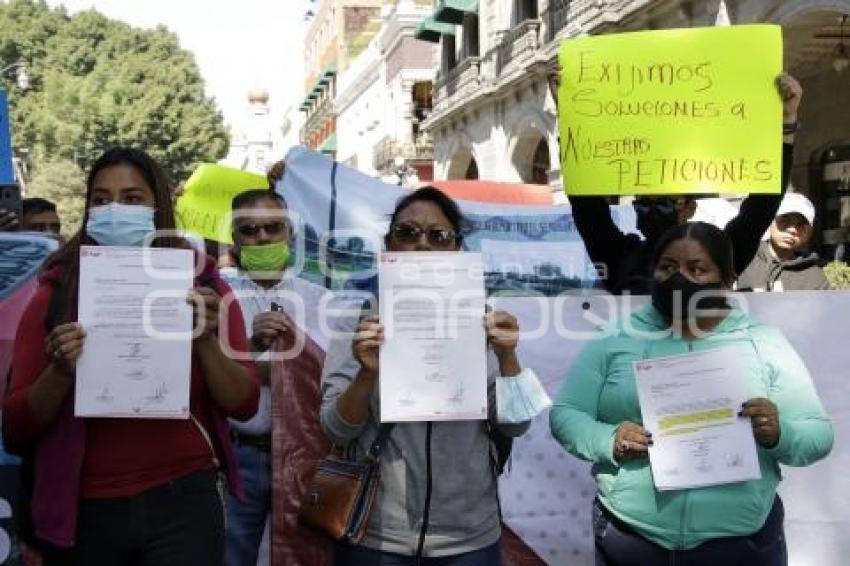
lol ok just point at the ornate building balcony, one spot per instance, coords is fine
(384, 153)
(583, 15)
(386, 150)
(517, 46)
(464, 79)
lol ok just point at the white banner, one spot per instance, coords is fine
(344, 214)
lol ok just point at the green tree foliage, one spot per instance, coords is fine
(97, 82)
(62, 183)
(838, 275)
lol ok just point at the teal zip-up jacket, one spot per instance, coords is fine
(600, 393)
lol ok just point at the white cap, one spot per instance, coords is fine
(796, 202)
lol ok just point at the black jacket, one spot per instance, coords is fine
(624, 260)
(803, 273)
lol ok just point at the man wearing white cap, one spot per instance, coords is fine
(781, 263)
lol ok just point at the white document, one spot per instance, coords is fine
(433, 360)
(136, 361)
(690, 404)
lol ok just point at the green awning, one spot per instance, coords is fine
(330, 145)
(327, 75)
(431, 30)
(452, 11)
(323, 80)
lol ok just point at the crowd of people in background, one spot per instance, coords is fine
(201, 491)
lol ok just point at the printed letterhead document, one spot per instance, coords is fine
(690, 404)
(136, 360)
(433, 360)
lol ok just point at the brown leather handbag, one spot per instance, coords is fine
(340, 496)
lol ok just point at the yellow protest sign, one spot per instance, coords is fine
(204, 206)
(672, 112)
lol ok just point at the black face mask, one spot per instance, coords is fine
(655, 216)
(667, 294)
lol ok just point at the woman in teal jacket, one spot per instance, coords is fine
(597, 418)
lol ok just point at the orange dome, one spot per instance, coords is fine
(258, 96)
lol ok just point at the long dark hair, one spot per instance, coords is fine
(444, 202)
(63, 304)
(715, 241)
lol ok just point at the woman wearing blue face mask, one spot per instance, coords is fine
(597, 418)
(125, 491)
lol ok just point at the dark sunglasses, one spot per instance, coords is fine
(437, 237)
(270, 228)
(645, 205)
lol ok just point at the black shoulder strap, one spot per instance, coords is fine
(502, 444)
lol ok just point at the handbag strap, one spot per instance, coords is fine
(380, 441)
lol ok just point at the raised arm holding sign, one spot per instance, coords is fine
(626, 256)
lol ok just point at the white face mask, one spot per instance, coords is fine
(120, 224)
(520, 398)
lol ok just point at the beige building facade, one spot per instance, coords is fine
(337, 34)
(384, 95)
(495, 119)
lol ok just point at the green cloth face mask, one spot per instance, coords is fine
(268, 257)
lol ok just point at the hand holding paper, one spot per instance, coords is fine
(503, 336)
(65, 345)
(366, 343)
(631, 441)
(205, 303)
(765, 419)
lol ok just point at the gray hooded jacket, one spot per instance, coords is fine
(463, 514)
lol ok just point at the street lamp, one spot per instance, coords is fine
(22, 78)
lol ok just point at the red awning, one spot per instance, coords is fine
(502, 193)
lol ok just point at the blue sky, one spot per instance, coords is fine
(239, 45)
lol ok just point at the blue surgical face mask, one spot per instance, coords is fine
(520, 398)
(120, 224)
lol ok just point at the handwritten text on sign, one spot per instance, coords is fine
(205, 205)
(672, 111)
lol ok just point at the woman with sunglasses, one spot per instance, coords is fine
(437, 501)
(126, 491)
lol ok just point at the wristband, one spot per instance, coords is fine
(790, 128)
